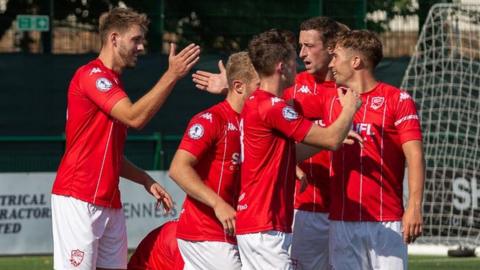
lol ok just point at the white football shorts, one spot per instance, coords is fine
(310, 241)
(212, 255)
(86, 236)
(367, 245)
(265, 250)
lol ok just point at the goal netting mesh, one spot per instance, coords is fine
(443, 76)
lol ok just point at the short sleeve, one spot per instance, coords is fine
(406, 119)
(284, 118)
(102, 90)
(202, 132)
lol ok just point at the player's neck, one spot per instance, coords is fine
(363, 82)
(323, 76)
(235, 101)
(272, 84)
(108, 59)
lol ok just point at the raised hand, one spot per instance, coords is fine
(180, 64)
(215, 83)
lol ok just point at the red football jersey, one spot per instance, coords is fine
(158, 250)
(368, 182)
(90, 167)
(270, 128)
(316, 197)
(213, 137)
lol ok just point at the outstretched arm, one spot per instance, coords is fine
(138, 114)
(139, 176)
(215, 83)
(182, 171)
(412, 222)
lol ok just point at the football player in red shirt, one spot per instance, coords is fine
(158, 250)
(207, 166)
(88, 222)
(369, 228)
(312, 194)
(270, 127)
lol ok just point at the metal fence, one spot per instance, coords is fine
(216, 25)
(43, 153)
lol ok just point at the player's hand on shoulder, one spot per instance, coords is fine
(226, 215)
(180, 64)
(163, 197)
(215, 83)
(349, 98)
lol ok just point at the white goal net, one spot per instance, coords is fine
(444, 78)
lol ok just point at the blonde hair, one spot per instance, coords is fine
(239, 67)
(120, 19)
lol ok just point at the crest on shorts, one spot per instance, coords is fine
(196, 131)
(76, 257)
(103, 84)
(377, 102)
(289, 113)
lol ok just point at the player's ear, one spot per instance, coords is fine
(357, 62)
(238, 86)
(280, 67)
(113, 37)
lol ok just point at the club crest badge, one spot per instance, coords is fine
(289, 113)
(377, 102)
(196, 131)
(103, 84)
(76, 257)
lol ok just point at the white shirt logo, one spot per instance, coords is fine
(207, 116)
(103, 84)
(275, 100)
(196, 131)
(404, 96)
(231, 127)
(377, 102)
(289, 113)
(94, 70)
(304, 89)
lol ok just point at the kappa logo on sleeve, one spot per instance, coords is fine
(289, 113)
(103, 84)
(404, 96)
(95, 70)
(196, 131)
(207, 116)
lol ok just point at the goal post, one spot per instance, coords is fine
(443, 77)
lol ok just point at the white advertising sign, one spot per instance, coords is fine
(25, 214)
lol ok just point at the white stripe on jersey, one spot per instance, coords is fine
(103, 162)
(361, 162)
(223, 161)
(381, 161)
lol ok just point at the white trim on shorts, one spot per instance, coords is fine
(211, 255)
(265, 250)
(86, 236)
(310, 240)
(367, 245)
